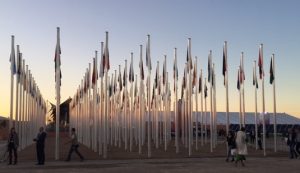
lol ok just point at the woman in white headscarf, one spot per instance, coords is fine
(241, 146)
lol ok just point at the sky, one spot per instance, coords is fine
(243, 24)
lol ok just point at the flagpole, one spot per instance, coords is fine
(176, 101)
(101, 129)
(131, 105)
(240, 97)
(263, 102)
(211, 105)
(201, 97)
(205, 111)
(226, 85)
(13, 71)
(149, 102)
(57, 73)
(255, 114)
(196, 95)
(274, 97)
(243, 89)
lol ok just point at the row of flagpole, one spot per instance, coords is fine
(27, 106)
(114, 116)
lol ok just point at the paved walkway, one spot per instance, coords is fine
(123, 161)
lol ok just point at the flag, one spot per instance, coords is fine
(106, 55)
(209, 68)
(101, 70)
(175, 72)
(260, 64)
(254, 78)
(12, 59)
(19, 63)
(57, 59)
(156, 77)
(95, 73)
(141, 68)
(200, 83)
(205, 91)
(224, 63)
(120, 81)
(164, 75)
(131, 72)
(148, 58)
(124, 78)
(184, 79)
(189, 59)
(238, 80)
(194, 76)
(271, 72)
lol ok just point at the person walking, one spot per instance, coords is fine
(40, 146)
(231, 146)
(298, 141)
(241, 146)
(12, 145)
(74, 146)
(291, 142)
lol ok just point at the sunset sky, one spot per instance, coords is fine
(243, 24)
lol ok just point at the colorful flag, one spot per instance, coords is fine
(205, 91)
(95, 73)
(148, 58)
(209, 69)
(224, 63)
(271, 72)
(238, 80)
(194, 76)
(131, 72)
(260, 64)
(200, 83)
(101, 70)
(164, 73)
(106, 54)
(141, 68)
(12, 59)
(254, 78)
(57, 59)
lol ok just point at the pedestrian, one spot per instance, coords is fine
(74, 146)
(291, 142)
(241, 146)
(259, 140)
(12, 145)
(298, 141)
(40, 146)
(231, 146)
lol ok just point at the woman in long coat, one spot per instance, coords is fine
(241, 146)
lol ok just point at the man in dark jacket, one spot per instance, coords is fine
(40, 146)
(12, 146)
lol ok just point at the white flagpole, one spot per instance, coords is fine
(125, 108)
(131, 106)
(165, 104)
(189, 100)
(57, 73)
(274, 97)
(243, 89)
(101, 129)
(211, 105)
(196, 97)
(205, 112)
(240, 97)
(17, 90)
(140, 103)
(255, 114)
(263, 102)
(22, 134)
(176, 104)
(149, 97)
(202, 90)
(226, 85)
(13, 70)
